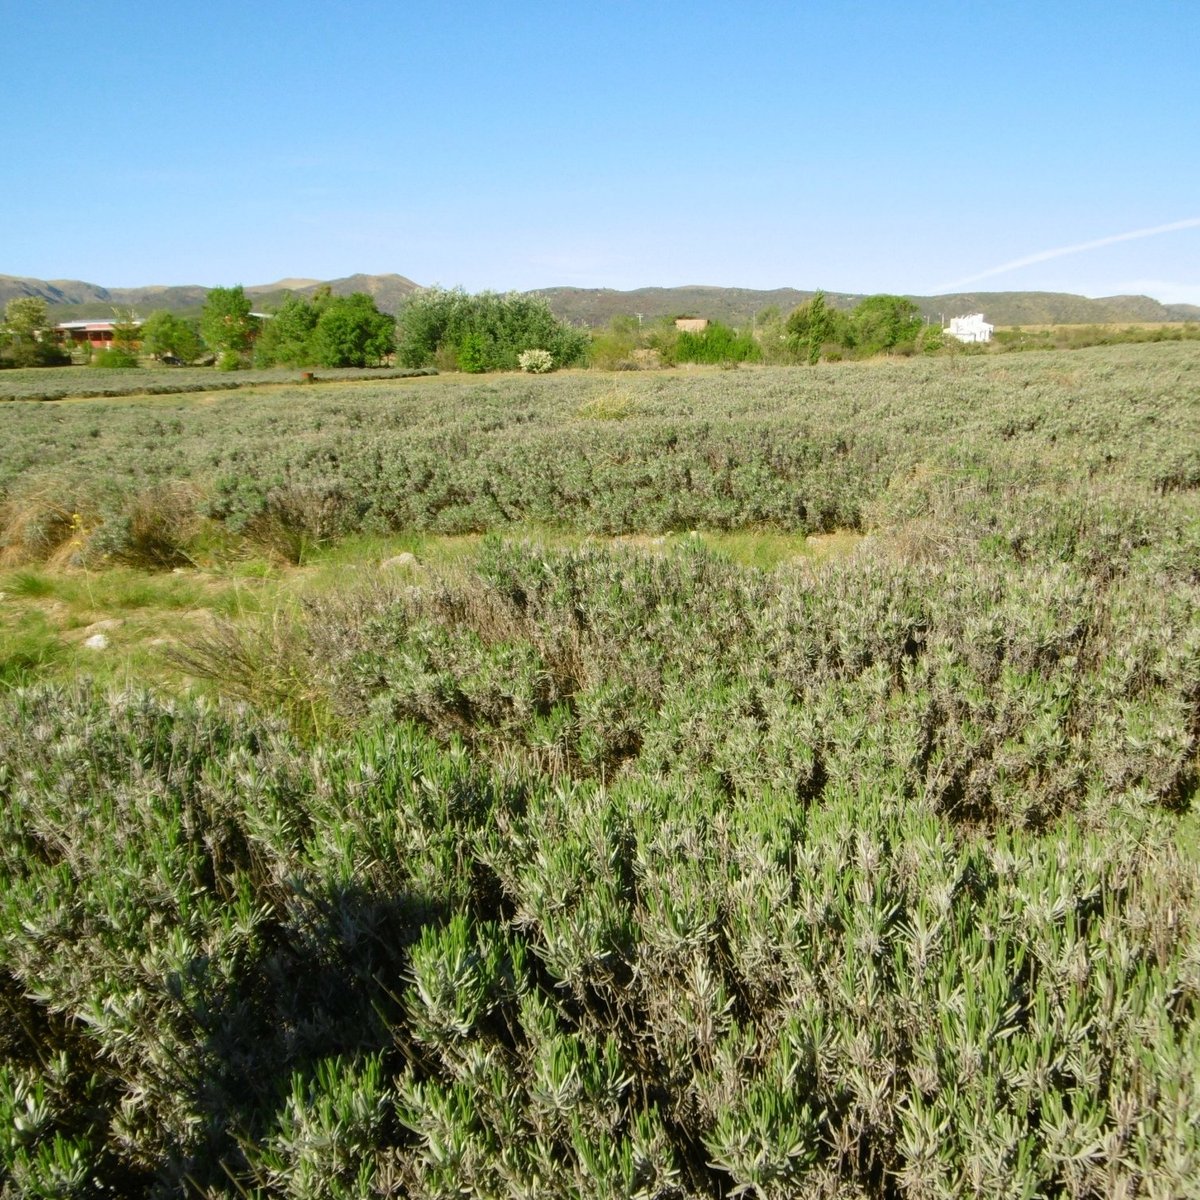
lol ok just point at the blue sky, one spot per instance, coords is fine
(853, 146)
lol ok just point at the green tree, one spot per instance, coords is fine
(815, 327)
(25, 339)
(883, 322)
(226, 324)
(931, 340)
(473, 355)
(351, 332)
(286, 339)
(820, 327)
(437, 321)
(126, 331)
(166, 334)
(26, 317)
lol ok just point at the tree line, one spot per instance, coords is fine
(451, 329)
(447, 328)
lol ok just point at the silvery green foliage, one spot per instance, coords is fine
(1007, 689)
(1026, 448)
(384, 968)
(643, 874)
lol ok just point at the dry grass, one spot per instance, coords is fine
(42, 524)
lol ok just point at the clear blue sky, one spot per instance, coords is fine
(853, 146)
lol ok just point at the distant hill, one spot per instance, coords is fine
(1055, 308)
(73, 299)
(739, 306)
(735, 306)
(388, 291)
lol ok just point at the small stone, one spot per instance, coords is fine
(400, 560)
(96, 642)
(104, 626)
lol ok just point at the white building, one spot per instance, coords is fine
(972, 328)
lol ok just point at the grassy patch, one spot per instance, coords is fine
(30, 648)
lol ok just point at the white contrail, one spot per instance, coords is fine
(1060, 251)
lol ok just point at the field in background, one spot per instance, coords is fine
(65, 383)
(1074, 337)
(168, 482)
(766, 782)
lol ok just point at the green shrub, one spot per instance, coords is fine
(610, 349)
(154, 529)
(164, 334)
(473, 356)
(376, 964)
(286, 338)
(351, 332)
(931, 340)
(717, 344)
(115, 358)
(495, 330)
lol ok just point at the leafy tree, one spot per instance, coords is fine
(286, 339)
(815, 327)
(127, 332)
(25, 340)
(931, 340)
(26, 317)
(811, 325)
(226, 323)
(165, 333)
(884, 322)
(351, 332)
(473, 354)
(326, 331)
(438, 322)
(663, 338)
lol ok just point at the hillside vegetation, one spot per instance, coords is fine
(595, 307)
(75, 300)
(588, 861)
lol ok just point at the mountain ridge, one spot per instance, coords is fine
(74, 299)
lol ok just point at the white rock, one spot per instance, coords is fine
(96, 642)
(400, 560)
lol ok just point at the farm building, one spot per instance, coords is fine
(97, 334)
(972, 328)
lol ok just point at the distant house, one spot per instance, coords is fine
(97, 334)
(972, 328)
(691, 324)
